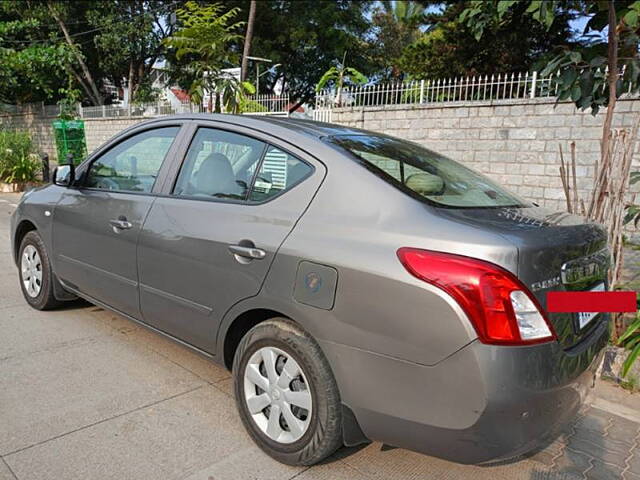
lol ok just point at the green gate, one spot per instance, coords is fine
(69, 135)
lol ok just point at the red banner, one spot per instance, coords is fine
(591, 302)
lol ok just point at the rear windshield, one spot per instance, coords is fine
(425, 174)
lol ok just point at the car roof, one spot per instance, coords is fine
(306, 127)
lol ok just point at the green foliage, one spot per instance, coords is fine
(251, 106)
(412, 94)
(18, 161)
(29, 72)
(340, 75)
(36, 63)
(630, 340)
(146, 93)
(630, 384)
(450, 48)
(581, 75)
(232, 93)
(202, 47)
(129, 40)
(482, 15)
(632, 213)
(398, 25)
(305, 37)
(118, 41)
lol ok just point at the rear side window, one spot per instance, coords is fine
(219, 164)
(425, 174)
(279, 171)
(132, 165)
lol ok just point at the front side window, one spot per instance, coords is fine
(132, 165)
(227, 165)
(219, 164)
(426, 174)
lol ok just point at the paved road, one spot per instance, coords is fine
(86, 394)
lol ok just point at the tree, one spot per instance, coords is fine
(29, 72)
(338, 75)
(84, 76)
(247, 40)
(612, 29)
(305, 37)
(129, 38)
(36, 63)
(398, 25)
(202, 49)
(105, 43)
(449, 48)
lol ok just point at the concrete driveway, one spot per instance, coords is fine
(87, 394)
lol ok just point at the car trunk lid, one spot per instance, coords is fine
(556, 252)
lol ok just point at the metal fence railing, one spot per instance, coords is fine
(253, 104)
(266, 104)
(494, 87)
(510, 86)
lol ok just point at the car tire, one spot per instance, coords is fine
(321, 424)
(37, 288)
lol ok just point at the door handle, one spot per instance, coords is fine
(120, 224)
(252, 253)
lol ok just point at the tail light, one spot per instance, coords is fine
(501, 308)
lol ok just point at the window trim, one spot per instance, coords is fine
(82, 185)
(233, 201)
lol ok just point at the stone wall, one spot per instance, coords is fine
(39, 126)
(99, 130)
(515, 143)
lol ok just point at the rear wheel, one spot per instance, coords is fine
(286, 394)
(36, 279)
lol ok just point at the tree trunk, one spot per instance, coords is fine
(130, 83)
(612, 79)
(79, 79)
(95, 96)
(139, 78)
(606, 151)
(293, 107)
(247, 41)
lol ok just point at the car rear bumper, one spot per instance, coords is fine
(481, 404)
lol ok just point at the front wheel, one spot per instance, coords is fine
(36, 278)
(286, 394)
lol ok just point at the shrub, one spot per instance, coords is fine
(630, 340)
(247, 105)
(18, 161)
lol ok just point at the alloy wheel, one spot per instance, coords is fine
(31, 271)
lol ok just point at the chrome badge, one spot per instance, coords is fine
(584, 269)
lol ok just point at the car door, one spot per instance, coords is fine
(96, 225)
(209, 241)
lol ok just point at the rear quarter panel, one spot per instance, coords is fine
(355, 224)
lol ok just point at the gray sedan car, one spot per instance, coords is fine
(359, 286)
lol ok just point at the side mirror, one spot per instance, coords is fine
(64, 175)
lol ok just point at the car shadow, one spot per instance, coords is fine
(76, 304)
(343, 453)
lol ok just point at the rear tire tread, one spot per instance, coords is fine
(327, 426)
